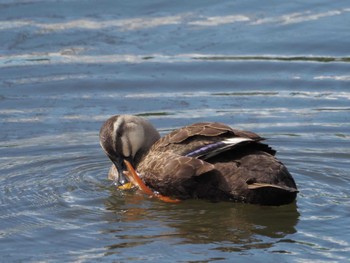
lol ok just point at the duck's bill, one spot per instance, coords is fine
(133, 177)
(116, 174)
(126, 186)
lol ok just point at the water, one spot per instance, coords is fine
(278, 69)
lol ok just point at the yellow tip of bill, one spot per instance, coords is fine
(126, 186)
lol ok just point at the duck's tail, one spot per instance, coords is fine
(254, 186)
(270, 194)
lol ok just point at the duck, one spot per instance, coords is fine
(204, 160)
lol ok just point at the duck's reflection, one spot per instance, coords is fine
(230, 225)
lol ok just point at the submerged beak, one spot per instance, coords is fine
(121, 178)
(121, 181)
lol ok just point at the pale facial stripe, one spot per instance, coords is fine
(136, 136)
(125, 146)
(116, 127)
(129, 135)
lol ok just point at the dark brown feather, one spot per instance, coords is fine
(226, 176)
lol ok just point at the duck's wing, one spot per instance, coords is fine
(207, 129)
(205, 152)
(207, 139)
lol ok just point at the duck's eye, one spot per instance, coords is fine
(119, 134)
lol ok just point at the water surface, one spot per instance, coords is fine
(278, 69)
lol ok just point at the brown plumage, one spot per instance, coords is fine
(203, 160)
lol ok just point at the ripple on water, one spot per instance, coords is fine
(49, 190)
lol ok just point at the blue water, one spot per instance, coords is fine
(280, 69)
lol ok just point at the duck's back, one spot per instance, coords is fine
(214, 161)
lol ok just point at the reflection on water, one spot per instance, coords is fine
(231, 227)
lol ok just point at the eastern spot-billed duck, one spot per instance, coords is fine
(207, 160)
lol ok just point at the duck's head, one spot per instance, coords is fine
(126, 137)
